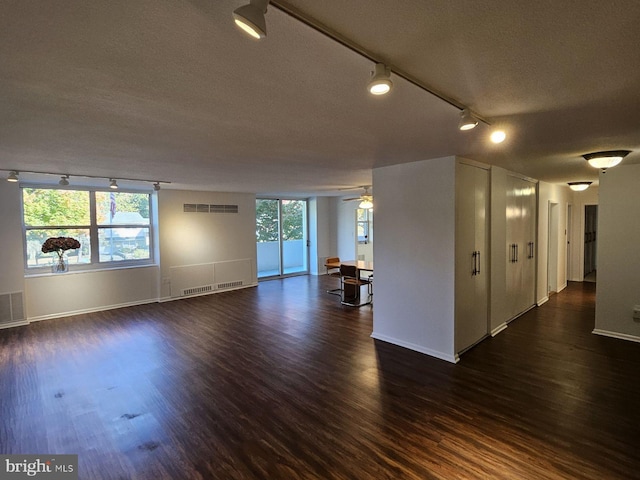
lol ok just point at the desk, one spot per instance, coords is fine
(350, 292)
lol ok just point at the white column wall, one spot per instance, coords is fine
(618, 253)
(414, 255)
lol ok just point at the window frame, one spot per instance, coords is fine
(94, 264)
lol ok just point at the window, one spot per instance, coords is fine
(112, 227)
(364, 225)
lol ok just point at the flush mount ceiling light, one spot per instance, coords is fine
(606, 159)
(113, 184)
(380, 80)
(13, 176)
(64, 180)
(467, 120)
(250, 18)
(579, 186)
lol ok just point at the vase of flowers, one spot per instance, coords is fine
(60, 245)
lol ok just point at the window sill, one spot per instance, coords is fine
(73, 271)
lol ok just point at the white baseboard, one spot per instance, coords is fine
(416, 348)
(562, 287)
(543, 300)
(90, 310)
(498, 329)
(620, 336)
(20, 323)
(212, 292)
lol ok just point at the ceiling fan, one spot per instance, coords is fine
(366, 198)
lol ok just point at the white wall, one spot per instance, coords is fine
(618, 253)
(322, 233)
(197, 238)
(561, 195)
(414, 256)
(12, 251)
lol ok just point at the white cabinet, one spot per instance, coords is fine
(472, 259)
(520, 245)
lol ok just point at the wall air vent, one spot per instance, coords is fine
(197, 290)
(11, 309)
(204, 208)
(229, 285)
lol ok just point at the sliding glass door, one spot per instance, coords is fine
(281, 237)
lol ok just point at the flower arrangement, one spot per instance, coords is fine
(60, 245)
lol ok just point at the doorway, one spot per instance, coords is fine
(281, 237)
(364, 236)
(552, 255)
(590, 242)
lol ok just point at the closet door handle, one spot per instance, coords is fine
(473, 256)
(478, 258)
(517, 255)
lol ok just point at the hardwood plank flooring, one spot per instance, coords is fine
(282, 382)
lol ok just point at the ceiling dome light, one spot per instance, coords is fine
(64, 180)
(113, 184)
(579, 186)
(12, 177)
(467, 120)
(606, 159)
(380, 80)
(250, 18)
(498, 136)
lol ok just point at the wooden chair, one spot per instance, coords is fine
(351, 284)
(333, 272)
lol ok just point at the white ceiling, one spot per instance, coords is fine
(171, 90)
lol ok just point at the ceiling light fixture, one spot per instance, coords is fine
(380, 80)
(113, 184)
(498, 136)
(250, 18)
(13, 176)
(366, 204)
(605, 159)
(64, 180)
(579, 186)
(156, 186)
(467, 120)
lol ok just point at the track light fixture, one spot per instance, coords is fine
(467, 120)
(380, 82)
(250, 18)
(156, 186)
(113, 183)
(13, 176)
(605, 160)
(498, 136)
(579, 186)
(64, 180)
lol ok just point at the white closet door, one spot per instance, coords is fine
(471, 324)
(528, 257)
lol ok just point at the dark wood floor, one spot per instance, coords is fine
(282, 382)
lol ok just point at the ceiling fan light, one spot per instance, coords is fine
(366, 204)
(250, 18)
(12, 177)
(579, 186)
(467, 120)
(380, 82)
(605, 159)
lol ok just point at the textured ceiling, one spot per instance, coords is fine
(171, 90)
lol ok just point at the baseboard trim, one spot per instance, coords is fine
(415, 347)
(499, 329)
(20, 323)
(90, 310)
(619, 336)
(543, 300)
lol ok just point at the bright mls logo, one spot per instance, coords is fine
(50, 467)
